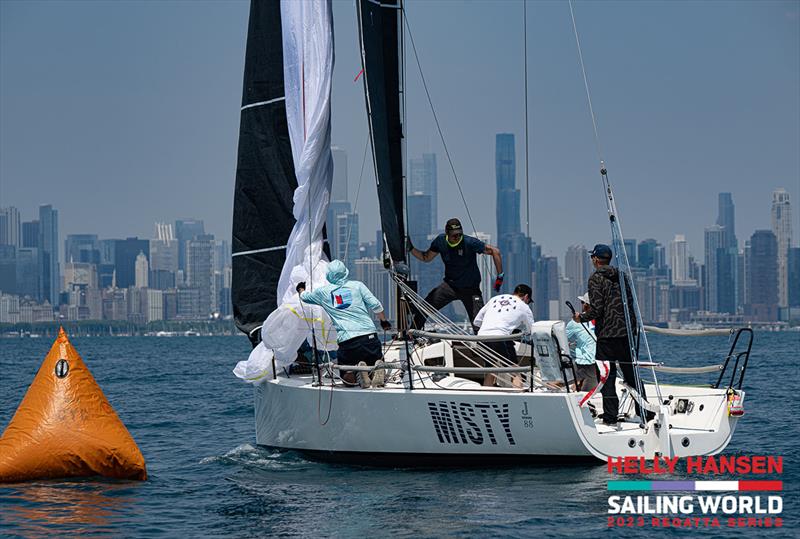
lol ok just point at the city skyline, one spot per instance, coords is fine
(673, 130)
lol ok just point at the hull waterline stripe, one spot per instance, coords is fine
(261, 103)
(718, 486)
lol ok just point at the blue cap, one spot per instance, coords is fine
(601, 250)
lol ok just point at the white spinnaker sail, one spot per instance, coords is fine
(307, 28)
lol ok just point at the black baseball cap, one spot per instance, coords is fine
(452, 224)
(601, 250)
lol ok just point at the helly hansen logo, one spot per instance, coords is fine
(341, 298)
(465, 423)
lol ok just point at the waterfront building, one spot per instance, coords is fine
(371, 272)
(8, 269)
(335, 209)
(141, 271)
(721, 262)
(48, 254)
(340, 177)
(10, 231)
(679, 260)
(185, 230)
(423, 179)
(782, 228)
(82, 248)
(30, 234)
(125, 253)
(546, 291)
(200, 274)
(762, 273)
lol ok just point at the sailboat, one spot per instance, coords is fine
(431, 409)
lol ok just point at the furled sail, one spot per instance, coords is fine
(265, 177)
(284, 169)
(379, 24)
(308, 73)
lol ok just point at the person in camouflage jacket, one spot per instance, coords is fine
(607, 310)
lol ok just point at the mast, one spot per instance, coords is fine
(265, 177)
(379, 32)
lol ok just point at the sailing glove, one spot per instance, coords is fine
(386, 325)
(498, 282)
(300, 286)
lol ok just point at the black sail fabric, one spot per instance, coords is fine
(265, 178)
(378, 23)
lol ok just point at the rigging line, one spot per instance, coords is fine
(527, 176)
(586, 84)
(436, 120)
(355, 204)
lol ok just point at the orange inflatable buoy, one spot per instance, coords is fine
(65, 426)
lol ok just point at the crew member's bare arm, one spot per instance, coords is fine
(425, 256)
(494, 252)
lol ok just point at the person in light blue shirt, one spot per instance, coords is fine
(349, 304)
(582, 344)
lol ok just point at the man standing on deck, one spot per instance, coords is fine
(462, 278)
(607, 310)
(349, 304)
(503, 315)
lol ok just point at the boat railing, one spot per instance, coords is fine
(742, 357)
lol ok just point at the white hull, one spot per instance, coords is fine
(468, 421)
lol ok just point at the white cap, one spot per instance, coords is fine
(585, 298)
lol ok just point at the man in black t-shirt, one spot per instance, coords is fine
(462, 278)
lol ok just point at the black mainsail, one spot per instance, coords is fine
(379, 24)
(265, 177)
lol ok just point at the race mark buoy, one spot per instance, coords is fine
(65, 426)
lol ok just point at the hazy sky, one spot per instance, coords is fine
(121, 114)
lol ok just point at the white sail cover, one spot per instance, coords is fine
(307, 28)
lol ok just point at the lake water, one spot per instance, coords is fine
(193, 421)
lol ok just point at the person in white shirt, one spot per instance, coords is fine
(503, 315)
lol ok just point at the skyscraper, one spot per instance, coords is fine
(507, 195)
(48, 254)
(514, 245)
(142, 269)
(726, 219)
(763, 276)
(679, 260)
(339, 186)
(82, 248)
(578, 269)
(200, 272)
(721, 263)
(185, 230)
(546, 292)
(10, 231)
(782, 228)
(793, 270)
(423, 179)
(30, 234)
(647, 253)
(335, 209)
(125, 253)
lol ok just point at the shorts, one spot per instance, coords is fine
(504, 348)
(366, 348)
(613, 349)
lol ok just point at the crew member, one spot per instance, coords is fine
(503, 315)
(582, 345)
(462, 278)
(349, 304)
(606, 309)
